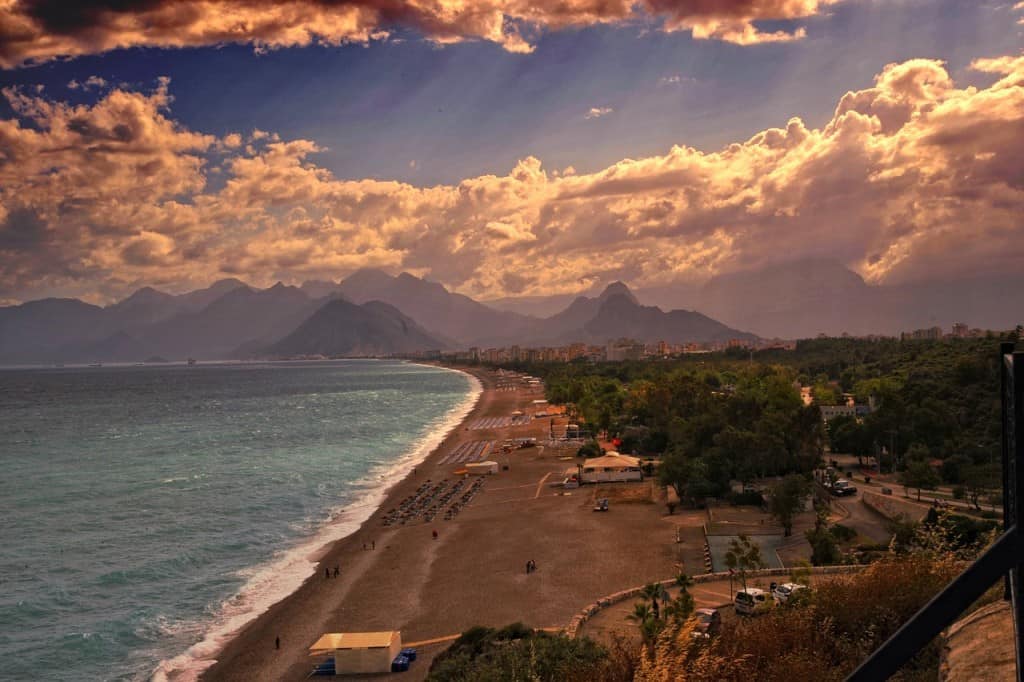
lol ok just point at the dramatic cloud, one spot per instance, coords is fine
(38, 30)
(911, 178)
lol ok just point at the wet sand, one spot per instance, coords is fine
(473, 573)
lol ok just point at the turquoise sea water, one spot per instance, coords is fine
(149, 511)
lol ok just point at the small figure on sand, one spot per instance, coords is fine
(435, 534)
(533, 566)
(364, 546)
(327, 573)
(527, 568)
(373, 544)
(337, 570)
(277, 642)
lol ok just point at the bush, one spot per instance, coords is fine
(821, 638)
(842, 533)
(989, 514)
(516, 652)
(589, 449)
(747, 498)
(959, 492)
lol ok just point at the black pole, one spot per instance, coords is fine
(1013, 477)
(942, 610)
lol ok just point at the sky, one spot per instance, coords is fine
(504, 147)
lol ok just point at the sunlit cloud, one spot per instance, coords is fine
(88, 83)
(40, 30)
(914, 177)
(597, 112)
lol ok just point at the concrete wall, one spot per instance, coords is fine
(892, 507)
(611, 476)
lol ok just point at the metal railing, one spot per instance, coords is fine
(1003, 559)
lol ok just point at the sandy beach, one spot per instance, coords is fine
(473, 572)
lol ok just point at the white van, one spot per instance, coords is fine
(752, 601)
(784, 591)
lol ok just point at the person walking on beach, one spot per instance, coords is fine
(277, 642)
(435, 534)
(327, 573)
(336, 570)
(527, 568)
(373, 544)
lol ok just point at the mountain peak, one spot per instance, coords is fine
(617, 289)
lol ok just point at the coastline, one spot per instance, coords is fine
(295, 567)
(431, 580)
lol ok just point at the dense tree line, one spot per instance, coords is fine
(709, 424)
(737, 414)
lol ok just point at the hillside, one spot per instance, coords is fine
(342, 328)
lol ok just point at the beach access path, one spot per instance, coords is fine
(474, 572)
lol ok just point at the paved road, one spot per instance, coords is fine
(862, 518)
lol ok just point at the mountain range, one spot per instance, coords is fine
(374, 313)
(368, 313)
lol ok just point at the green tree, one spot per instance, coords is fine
(744, 555)
(824, 550)
(787, 499)
(648, 624)
(919, 474)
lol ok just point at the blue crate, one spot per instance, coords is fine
(400, 664)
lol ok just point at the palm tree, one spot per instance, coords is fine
(643, 616)
(652, 593)
(641, 612)
(680, 608)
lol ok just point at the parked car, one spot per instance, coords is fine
(709, 622)
(842, 487)
(783, 592)
(752, 601)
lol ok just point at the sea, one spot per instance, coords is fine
(149, 512)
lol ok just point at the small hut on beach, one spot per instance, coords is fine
(359, 652)
(611, 467)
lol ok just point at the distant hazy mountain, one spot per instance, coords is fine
(241, 316)
(319, 288)
(616, 313)
(200, 298)
(621, 315)
(33, 331)
(118, 347)
(796, 300)
(809, 297)
(450, 315)
(341, 328)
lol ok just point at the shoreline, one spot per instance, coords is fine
(431, 580)
(249, 604)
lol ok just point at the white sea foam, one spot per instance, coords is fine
(269, 583)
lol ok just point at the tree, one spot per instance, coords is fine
(787, 498)
(978, 482)
(744, 555)
(652, 593)
(824, 550)
(647, 622)
(680, 608)
(919, 474)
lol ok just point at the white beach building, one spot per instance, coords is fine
(359, 653)
(611, 467)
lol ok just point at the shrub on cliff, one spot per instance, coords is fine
(519, 653)
(820, 638)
